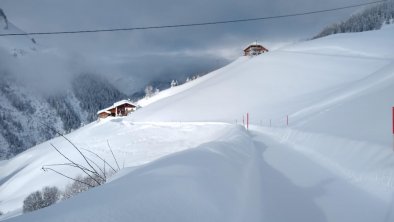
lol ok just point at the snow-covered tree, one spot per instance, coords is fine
(149, 91)
(370, 19)
(174, 83)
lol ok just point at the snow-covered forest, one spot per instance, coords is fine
(22, 113)
(372, 18)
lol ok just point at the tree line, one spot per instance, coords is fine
(372, 18)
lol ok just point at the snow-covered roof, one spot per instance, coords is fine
(104, 111)
(123, 102)
(252, 44)
(119, 103)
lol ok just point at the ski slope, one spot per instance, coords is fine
(334, 162)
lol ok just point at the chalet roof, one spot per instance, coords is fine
(253, 44)
(123, 102)
(119, 103)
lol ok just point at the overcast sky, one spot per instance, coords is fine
(156, 50)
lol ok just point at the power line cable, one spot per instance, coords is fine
(194, 24)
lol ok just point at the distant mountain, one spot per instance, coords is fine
(372, 18)
(24, 110)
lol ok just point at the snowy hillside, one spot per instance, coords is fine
(333, 162)
(337, 89)
(282, 82)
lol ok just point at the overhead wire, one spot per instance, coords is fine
(193, 24)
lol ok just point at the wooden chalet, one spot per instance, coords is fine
(121, 108)
(254, 49)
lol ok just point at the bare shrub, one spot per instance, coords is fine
(80, 184)
(33, 202)
(41, 199)
(94, 173)
(50, 195)
(90, 168)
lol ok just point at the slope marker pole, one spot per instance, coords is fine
(247, 121)
(287, 120)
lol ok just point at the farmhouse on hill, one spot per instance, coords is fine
(121, 108)
(254, 49)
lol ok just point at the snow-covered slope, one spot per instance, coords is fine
(235, 176)
(337, 92)
(333, 163)
(278, 83)
(302, 81)
(133, 143)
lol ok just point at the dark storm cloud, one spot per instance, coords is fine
(179, 47)
(44, 15)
